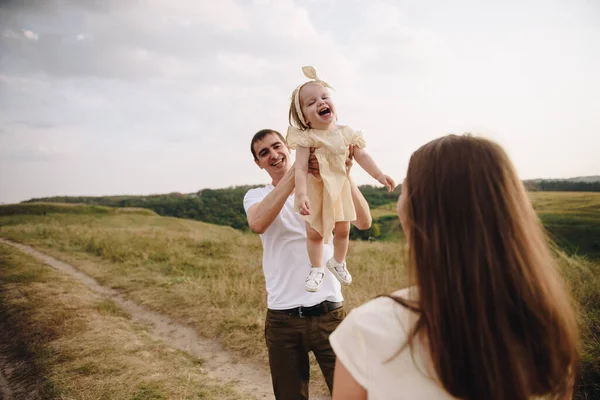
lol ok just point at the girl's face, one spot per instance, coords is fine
(317, 107)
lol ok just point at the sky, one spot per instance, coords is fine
(103, 97)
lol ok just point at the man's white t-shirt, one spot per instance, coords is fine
(367, 344)
(285, 258)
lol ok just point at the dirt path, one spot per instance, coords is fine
(17, 381)
(5, 392)
(251, 379)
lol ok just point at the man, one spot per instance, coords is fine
(297, 321)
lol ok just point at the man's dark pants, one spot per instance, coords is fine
(290, 337)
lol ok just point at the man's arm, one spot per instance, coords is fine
(363, 212)
(261, 215)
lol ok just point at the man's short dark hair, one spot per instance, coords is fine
(260, 135)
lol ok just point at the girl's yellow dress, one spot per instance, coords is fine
(330, 196)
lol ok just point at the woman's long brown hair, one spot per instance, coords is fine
(493, 310)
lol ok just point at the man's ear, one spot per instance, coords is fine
(257, 163)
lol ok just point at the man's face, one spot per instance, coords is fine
(272, 155)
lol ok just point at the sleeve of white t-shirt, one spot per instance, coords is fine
(369, 335)
(348, 343)
(252, 197)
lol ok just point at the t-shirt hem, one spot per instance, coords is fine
(285, 307)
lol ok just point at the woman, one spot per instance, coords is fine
(486, 315)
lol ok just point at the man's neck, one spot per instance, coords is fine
(276, 179)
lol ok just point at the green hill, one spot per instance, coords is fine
(571, 218)
(215, 206)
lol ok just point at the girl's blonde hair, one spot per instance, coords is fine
(293, 116)
(296, 118)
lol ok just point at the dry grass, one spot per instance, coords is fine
(83, 346)
(384, 210)
(583, 278)
(210, 277)
(581, 203)
(206, 276)
(53, 208)
(586, 203)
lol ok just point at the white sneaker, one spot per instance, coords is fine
(314, 280)
(339, 271)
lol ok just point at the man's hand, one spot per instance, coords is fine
(303, 204)
(387, 182)
(349, 159)
(313, 164)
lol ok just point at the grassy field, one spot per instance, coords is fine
(571, 219)
(67, 208)
(210, 277)
(206, 276)
(585, 204)
(75, 344)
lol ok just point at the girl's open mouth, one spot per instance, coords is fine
(325, 111)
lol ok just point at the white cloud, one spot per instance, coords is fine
(31, 35)
(178, 88)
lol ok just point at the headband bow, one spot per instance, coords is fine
(310, 73)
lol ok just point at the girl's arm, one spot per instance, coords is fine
(345, 386)
(302, 156)
(368, 164)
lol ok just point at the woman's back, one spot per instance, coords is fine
(492, 313)
(370, 342)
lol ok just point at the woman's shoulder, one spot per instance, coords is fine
(384, 315)
(374, 331)
(386, 302)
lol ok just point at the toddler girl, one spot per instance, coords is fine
(325, 202)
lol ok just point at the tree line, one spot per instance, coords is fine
(225, 206)
(215, 206)
(551, 185)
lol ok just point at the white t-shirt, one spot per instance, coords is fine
(285, 258)
(367, 343)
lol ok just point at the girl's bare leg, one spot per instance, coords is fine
(341, 240)
(314, 246)
(337, 264)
